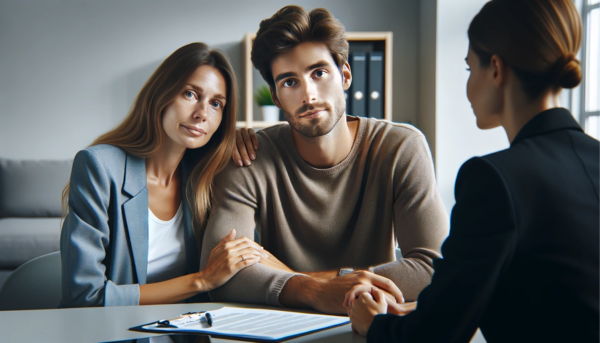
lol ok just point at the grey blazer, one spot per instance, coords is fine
(104, 238)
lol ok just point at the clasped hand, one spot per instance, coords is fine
(364, 302)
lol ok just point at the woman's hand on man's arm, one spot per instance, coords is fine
(226, 259)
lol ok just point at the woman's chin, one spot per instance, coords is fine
(486, 124)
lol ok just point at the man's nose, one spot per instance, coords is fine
(310, 92)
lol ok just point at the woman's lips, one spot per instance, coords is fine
(194, 130)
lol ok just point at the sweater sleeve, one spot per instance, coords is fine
(234, 207)
(420, 219)
(85, 239)
(480, 245)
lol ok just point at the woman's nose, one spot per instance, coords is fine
(200, 112)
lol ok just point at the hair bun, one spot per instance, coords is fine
(568, 72)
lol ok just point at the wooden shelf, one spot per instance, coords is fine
(248, 88)
(258, 124)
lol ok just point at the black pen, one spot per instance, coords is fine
(209, 319)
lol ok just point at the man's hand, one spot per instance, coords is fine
(357, 290)
(328, 295)
(365, 308)
(327, 275)
(398, 308)
(401, 309)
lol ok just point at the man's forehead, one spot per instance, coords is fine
(301, 57)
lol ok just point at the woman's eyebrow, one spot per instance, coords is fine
(197, 88)
(200, 90)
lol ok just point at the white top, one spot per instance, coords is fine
(166, 247)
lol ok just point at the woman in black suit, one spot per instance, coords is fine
(521, 261)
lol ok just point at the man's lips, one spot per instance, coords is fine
(312, 113)
(196, 131)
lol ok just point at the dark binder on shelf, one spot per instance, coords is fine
(375, 89)
(359, 84)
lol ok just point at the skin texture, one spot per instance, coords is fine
(189, 122)
(309, 88)
(199, 106)
(497, 99)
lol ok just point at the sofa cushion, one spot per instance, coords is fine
(22, 239)
(32, 188)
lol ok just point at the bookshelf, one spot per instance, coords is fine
(379, 41)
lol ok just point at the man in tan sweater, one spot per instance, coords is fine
(327, 192)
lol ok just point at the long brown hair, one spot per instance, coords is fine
(141, 133)
(292, 26)
(538, 39)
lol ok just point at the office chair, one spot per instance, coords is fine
(34, 285)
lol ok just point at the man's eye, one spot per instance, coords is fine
(289, 83)
(320, 73)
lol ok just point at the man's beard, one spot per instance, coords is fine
(317, 126)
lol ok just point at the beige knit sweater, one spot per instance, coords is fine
(349, 215)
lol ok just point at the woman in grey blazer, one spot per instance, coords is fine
(138, 191)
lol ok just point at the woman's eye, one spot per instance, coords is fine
(216, 104)
(289, 83)
(189, 94)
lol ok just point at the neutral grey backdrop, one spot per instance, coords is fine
(70, 70)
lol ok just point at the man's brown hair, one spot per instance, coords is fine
(292, 26)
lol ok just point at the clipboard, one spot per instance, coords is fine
(255, 325)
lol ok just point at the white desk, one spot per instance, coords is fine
(103, 324)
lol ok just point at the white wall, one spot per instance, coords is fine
(457, 137)
(70, 69)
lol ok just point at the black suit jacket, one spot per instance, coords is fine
(521, 260)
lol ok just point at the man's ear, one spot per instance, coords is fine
(498, 70)
(274, 97)
(346, 76)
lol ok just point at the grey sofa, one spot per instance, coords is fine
(30, 197)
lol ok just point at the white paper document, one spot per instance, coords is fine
(269, 325)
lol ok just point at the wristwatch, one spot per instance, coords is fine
(344, 271)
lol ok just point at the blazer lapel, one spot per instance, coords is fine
(135, 211)
(191, 243)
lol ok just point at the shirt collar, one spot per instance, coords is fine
(547, 121)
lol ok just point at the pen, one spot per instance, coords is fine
(183, 319)
(209, 319)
